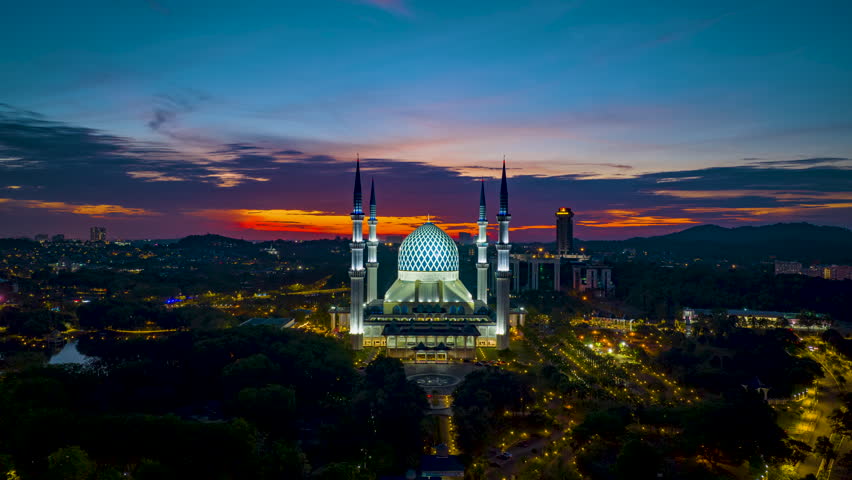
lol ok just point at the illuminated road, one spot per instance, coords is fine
(827, 400)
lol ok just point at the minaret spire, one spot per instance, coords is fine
(482, 201)
(372, 199)
(503, 273)
(504, 192)
(358, 199)
(357, 271)
(372, 245)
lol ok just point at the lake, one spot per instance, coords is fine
(69, 354)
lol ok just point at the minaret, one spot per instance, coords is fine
(503, 274)
(482, 250)
(372, 244)
(356, 273)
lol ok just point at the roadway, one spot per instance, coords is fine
(827, 399)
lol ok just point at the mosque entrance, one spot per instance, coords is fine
(424, 354)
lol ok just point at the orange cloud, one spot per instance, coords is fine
(98, 211)
(315, 221)
(228, 178)
(633, 218)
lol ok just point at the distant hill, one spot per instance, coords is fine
(211, 241)
(17, 244)
(784, 241)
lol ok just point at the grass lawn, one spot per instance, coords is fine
(365, 355)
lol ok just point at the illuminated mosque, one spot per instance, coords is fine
(428, 314)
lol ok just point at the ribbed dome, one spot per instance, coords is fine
(428, 249)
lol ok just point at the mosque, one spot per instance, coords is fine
(428, 314)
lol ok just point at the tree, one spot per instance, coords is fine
(70, 463)
(637, 460)
(390, 409)
(24, 360)
(343, 471)
(824, 448)
(153, 470)
(271, 406)
(845, 460)
(750, 430)
(480, 404)
(841, 418)
(808, 319)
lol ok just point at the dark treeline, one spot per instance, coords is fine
(661, 292)
(802, 242)
(113, 314)
(126, 315)
(842, 345)
(487, 403)
(722, 358)
(693, 439)
(220, 404)
(621, 443)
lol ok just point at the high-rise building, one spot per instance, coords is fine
(59, 237)
(465, 238)
(41, 237)
(839, 272)
(564, 231)
(787, 268)
(97, 234)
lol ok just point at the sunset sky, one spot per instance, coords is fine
(163, 118)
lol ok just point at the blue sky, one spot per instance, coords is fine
(572, 93)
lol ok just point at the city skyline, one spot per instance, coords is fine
(246, 121)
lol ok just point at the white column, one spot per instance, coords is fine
(372, 261)
(503, 275)
(482, 262)
(356, 277)
(535, 274)
(557, 281)
(516, 276)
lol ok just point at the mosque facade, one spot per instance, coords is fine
(428, 314)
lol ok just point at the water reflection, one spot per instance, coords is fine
(69, 354)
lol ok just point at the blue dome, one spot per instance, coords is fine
(428, 249)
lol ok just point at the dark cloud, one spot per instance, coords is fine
(82, 166)
(484, 167)
(28, 140)
(611, 165)
(169, 106)
(802, 161)
(237, 148)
